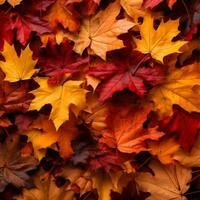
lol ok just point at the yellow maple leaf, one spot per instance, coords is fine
(158, 42)
(133, 8)
(43, 134)
(168, 181)
(59, 13)
(60, 97)
(17, 68)
(100, 32)
(177, 88)
(11, 2)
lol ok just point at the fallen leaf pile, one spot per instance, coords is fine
(99, 99)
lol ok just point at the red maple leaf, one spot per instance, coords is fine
(184, 124)
(125, 71)
(57, 60)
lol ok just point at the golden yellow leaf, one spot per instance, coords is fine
(132, 8)
(11, 2)
(100, 32)
(168, 182)
(158, 42)
(190, 159)
(45, 189)
(59, 13)
(17, 68)
(60, 97)
(43, 134)
(177, 88)
(164, 149)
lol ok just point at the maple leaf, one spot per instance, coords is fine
(45, 188)
(127, 129)
(177, 88)
(185, 124)
(13, 166)
(17, 68)
(25, 24)
(85, 7)
(57, 60)
(158, 42)
(59, 13)
(126, 72)
(26, 19)
(189, 159)
(60, 97)
(42, 134)
(95, 114)
(11, 2)
(164, 149)
(100, 32)
(132, 8)
(168, 181)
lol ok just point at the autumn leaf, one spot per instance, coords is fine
(14, 97)
(45, 189)
(133, 8)
(110, 182)
(6, 33)
(84, 7)
(127, 129)
(13, 165)
(177, 88)
(57, 60)
(158, 42)
(125, 72)
(59, 13)
(95, 114)
(60, 97)
(164, 149)
(184, 124)
(11, 2)
(42, 134)
(26, 19)
(100, 32)
(168, 181)
(78, 177)
(192, 158)
(153, 3)
(17, 68)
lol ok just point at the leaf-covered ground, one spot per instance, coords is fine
(99, 99)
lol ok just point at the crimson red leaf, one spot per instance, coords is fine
(125, 72)
(183, 123)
